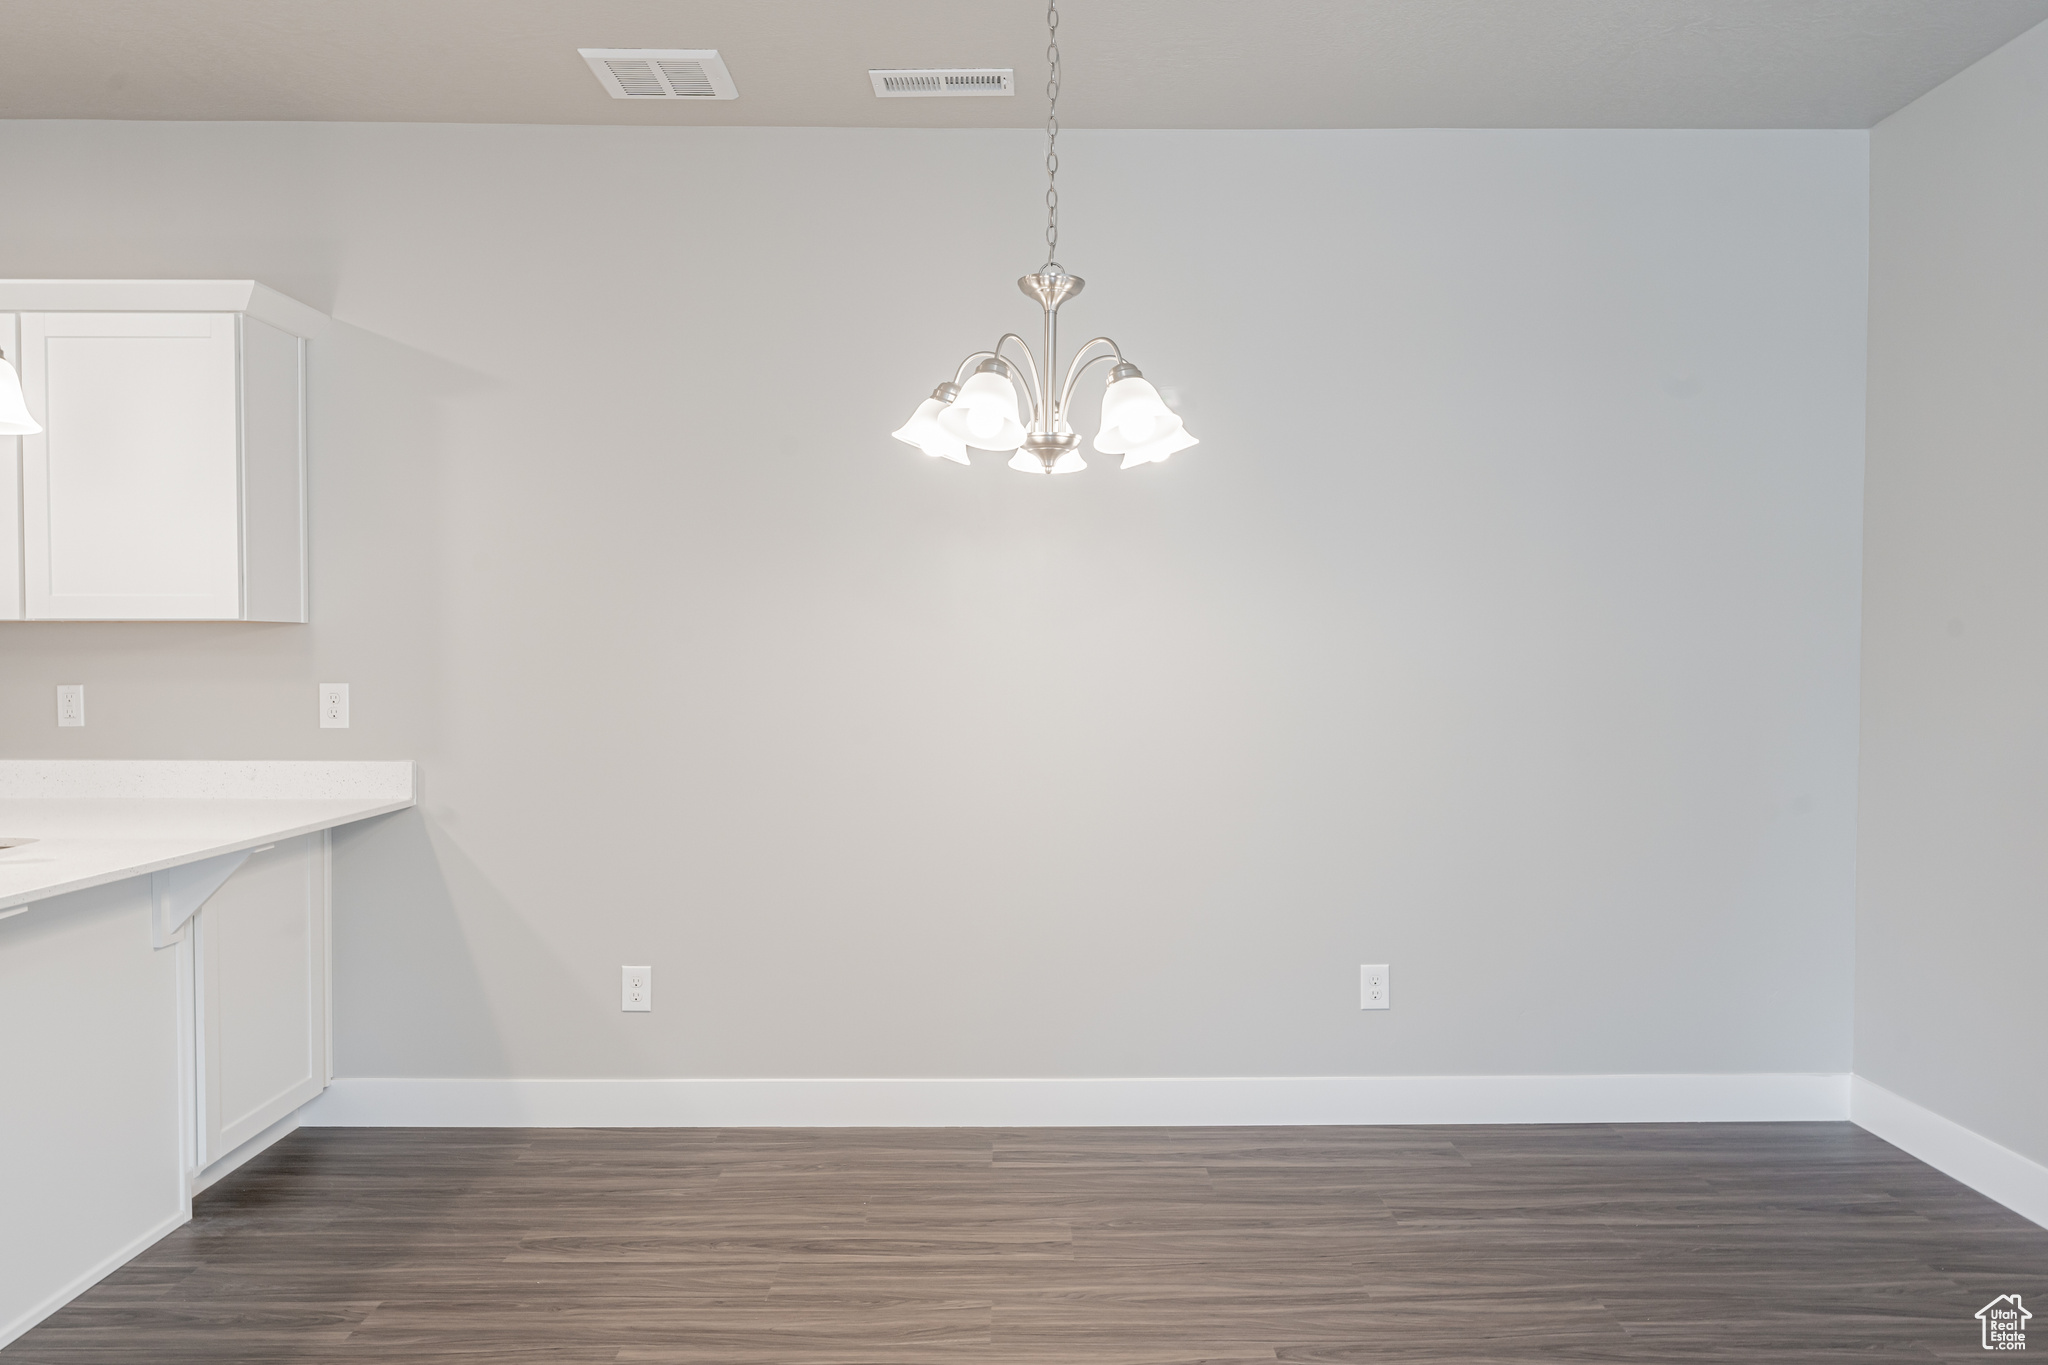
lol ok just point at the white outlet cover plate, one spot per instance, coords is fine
(636, 989)
(71, 704)
(1374, 987)
(334, 706)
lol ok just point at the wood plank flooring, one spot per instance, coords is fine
(1481, 1245)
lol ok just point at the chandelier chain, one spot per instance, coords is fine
(983, 410)
(1052, 140)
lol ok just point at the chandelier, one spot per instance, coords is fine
(981, 409)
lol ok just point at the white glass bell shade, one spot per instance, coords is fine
(924, 432)
(1133, 415)
(985, 414)
(1177, 439)
(14, 418)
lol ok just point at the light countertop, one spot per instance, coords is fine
(98, 821)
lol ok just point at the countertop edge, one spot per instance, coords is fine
(179, 779)
(143, 869)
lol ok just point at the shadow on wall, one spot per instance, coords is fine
(437, 973)
(383, 467)
(380, 471)
(411, 962)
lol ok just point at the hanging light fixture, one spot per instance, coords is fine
(14, 415)
(981, 409)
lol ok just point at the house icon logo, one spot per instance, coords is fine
(2005, 1323)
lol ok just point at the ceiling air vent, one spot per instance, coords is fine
(986, 80)
(660, 73)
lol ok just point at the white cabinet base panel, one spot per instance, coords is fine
(244, 1154)
(100, 1172)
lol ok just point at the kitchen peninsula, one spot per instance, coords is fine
(163, 992)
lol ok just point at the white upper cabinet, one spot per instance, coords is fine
(169, 481)
(10, 491)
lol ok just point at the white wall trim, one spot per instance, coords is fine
(1220, 1101)
(1995, 1172)
(50, 1304)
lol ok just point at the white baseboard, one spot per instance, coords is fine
(51, 1303)
(248, 1151)
(1200, 1101)
(1996, 1172)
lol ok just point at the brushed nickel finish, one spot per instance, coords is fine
(1047, 447)
(1049, 432)
(1051, 290)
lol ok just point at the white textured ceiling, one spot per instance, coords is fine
(1130, 63)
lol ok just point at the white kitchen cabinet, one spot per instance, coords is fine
(169, 482)
(162, 1028)
(90, 1101)
(260, 997)
(10, 491)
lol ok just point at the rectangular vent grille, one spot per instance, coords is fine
(631, 73)
(987, 80)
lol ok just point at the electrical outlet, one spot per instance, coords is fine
(636, 989)
(334, 706)
(71, 704)
(1373, 992)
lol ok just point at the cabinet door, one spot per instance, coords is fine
(10, 491)
(132, 493)
(262, 996)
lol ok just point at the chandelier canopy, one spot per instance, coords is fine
(981, 409)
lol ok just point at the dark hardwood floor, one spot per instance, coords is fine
(1713, 1242)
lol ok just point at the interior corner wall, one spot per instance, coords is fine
(1952, 918)
(1503, 627)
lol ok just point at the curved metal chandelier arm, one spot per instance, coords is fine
(1075, 370)
(1031, 368)
(961, 373)
(1137, 422)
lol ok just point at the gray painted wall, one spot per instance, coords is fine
(1504, 627)
(1952, 918)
